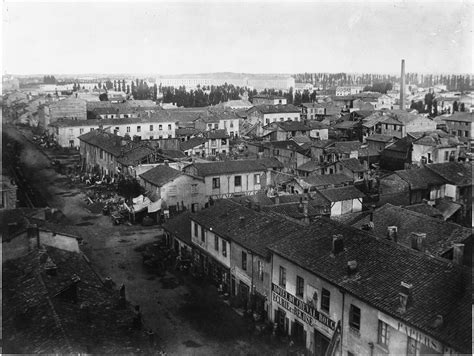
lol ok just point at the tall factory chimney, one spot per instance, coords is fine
(402, 86)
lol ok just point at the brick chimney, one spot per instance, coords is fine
(33, 233)
(458, 253)
(417, 240)
(402, 86)
(405, 296)
(337, 244)
(392, 233)
(351, 267)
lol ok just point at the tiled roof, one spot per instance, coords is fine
(160, 175)
(437, 140)
(287, 145)
(342, 193)
(352, 164)
(460, 116)
(425, 209)
(236, 166)
(293, 210)
(310, 166)
(315, 199)
(274, 109)
(130, 104)
(215, 134)
(260, 198)
(323, 143)
(317, 180)
(180, 226)
(107, 141)
(37, 319)
(440, 235)
(316, 125)
(420, 178)
(292, 126)
(346, 125)
(191, 143)
(186, 131)
(268, 96)
(255, 231)
(439, 287)
(403, 145)
(348, 146)
(379, 138)
(454, 172)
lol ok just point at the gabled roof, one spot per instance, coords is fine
(317, 180)
(342, 193)
(160, 175)
(380, 138)
(348, 146)
(292, 126)
(249, 228)
(403, 145)
(440, 235)
(420, 178)
(180, 226)
(344, 125)
(456, 173)
(191, 143)
(425, 209)
(323, 143)
(309, 166)
(287, 145)
(352, 164)
(275, 109)
(107, 141)
(460, 116)
(235, 166)
(215, 134)
(439, 287)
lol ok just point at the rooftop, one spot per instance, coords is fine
(420, 178)
(380, 138)
(342, 193)
(317, 180)
(180, 226)
(352, 164)
(160, 175)
(460, 116)
(192, 142)
(275, 109)
(235, 166)
(439, 287)
(440, 235)
(456, 173)
(291, 126)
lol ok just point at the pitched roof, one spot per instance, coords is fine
(191, 143)
(249, 228)
(180, 226)
(107, 141)
(275, 109)
(425, 209)
(439, 287)
(352, 164)
(309, 166)
(342, 193)
(160, 175)
(420, 178)
(216, 134)
(380, 138)
(348, 146)
(454, 172)
(440, 234)
(323, 143)
(403, 145)
(344, 125)
(236, 166)
(317, 180)
(292, 126)
(460, 116)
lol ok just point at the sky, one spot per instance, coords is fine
(245, 37)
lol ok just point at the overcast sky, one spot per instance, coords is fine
(253, 37)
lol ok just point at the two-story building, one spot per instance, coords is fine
(264, 99)
(400, 123)
(344, 200)
(262, 115)
(282, 131)
(69, 108)
(178, 190)
(289, 153)
(460, 124)
(435, 147)
(337, 290)
(224, 179)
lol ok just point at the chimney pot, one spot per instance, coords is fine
(351, 267)
(417, 240)
(458, 253)
(337, 244)
(438, 321)
(392, 232)
(404, 296)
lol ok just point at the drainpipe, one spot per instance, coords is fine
(252, 292)
(342, 320)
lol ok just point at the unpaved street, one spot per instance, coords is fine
(186, 320)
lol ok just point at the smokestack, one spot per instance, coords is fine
(402, 86)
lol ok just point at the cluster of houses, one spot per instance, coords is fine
(342, 221)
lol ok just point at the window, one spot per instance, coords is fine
(325, 300)
(213, 142)
(216, 243)
(215, 126)
(446, 155)
(282, 279)
(203, 234)
(354, 317)
(128, 128)
(139, 128)
(151, 137)
(92, 129)
(196, 230)
(81, 131)
(101, 154)
(466, 133)
(267, 121)
(244, 260)
(223, 141)
(299, 286)
(216, 183)
(459, 133)
(413, 347)
(238, 181)
(260, 270)
(224, 248)
(117, 128)
(209, 126)
(382, 337)
(256, 178)
(160, 127)
(231, 124)
(282, 119)
(151, 127)
(169, 126)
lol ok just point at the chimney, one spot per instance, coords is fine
(33, 233)
(337, 244)
(404, 296)
(277, 199)
(458, 253)
(305, 208)
(167, 163)
(417, 240)
(351, 267)
(438, 322)
(402, 86)
(392, 232)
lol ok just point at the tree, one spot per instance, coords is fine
(109, 85)
(103, 97)
(155, 92)
(462, 107)
(455, 106)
